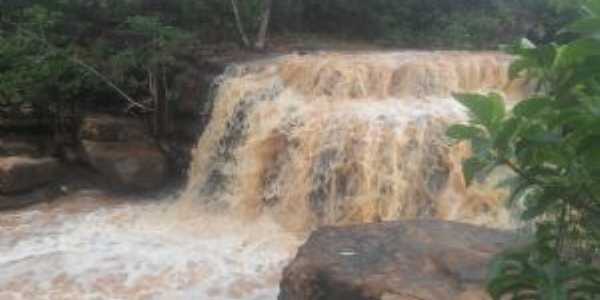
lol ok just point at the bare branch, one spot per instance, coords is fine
(261, 38)
(109, 83)
(240, 25)
(87, 67)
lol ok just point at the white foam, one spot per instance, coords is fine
(125, 252)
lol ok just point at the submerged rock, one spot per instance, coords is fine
(128, 165)
(23, 174)
(410, 260)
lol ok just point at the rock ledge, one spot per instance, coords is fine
(410, 260)
(23, 174)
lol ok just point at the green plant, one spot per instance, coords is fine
(524, 274)
(551, 142)
(155, 59)
(45, 63)
(30, 67)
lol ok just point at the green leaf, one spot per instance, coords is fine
(586, 70)
(546, 55)
(540, 204)
(508, 130)
(531, 107)
(589, 144)
(592, 7)
(485, 110)
(578, 51)
(519, 192)
(476, 166)
(563, 117)
(588, 26)
(543, 137)
(589, 150)
(518, 66)
(464, 132)
(588, 290)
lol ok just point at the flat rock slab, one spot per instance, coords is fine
(410, 260)
(23, 174)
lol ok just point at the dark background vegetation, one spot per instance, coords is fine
(457, 24)
(62, 58)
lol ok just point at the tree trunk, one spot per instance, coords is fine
(162, 108)
(261, 38)
(153, 89)
(240, 25)
(157, 87)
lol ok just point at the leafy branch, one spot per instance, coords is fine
(58, 51)
(550, 142)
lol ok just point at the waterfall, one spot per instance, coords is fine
(330, 139)
(294, 142)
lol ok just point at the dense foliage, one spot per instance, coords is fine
(551, 141)
(460, 24)
(57, 55)
(116, 55)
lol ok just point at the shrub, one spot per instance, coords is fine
(552, 143)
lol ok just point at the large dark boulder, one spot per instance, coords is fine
(410, 260)
(136, 166)
(20, 174)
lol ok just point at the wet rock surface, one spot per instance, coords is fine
(122, 151)
(22, 174)
(128, 165)
(410, 260)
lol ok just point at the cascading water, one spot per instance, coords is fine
(294, 142)
(341, 138)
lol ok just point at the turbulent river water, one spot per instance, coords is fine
(295, 142)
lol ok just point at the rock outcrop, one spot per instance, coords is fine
(22, 174)
(122, 151)
(106, 128)
(411, 260)
(18, 148)
(129, 165)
